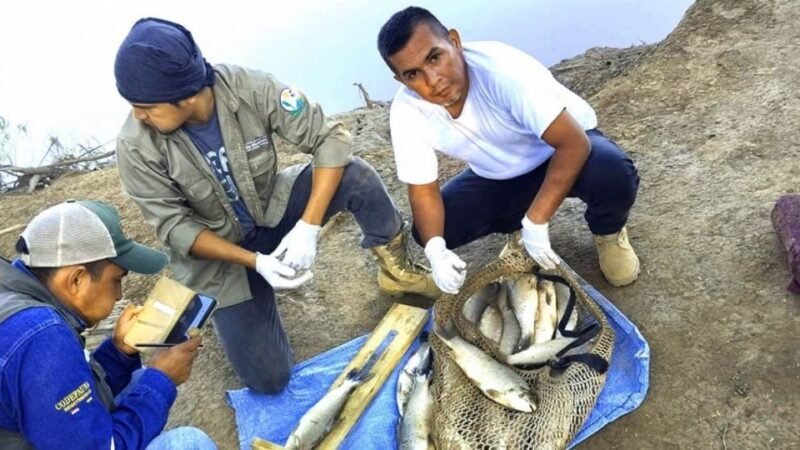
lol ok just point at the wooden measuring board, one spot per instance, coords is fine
(405, 322)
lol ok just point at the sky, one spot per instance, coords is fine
(56, 57)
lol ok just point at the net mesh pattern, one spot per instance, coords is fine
(463, 418)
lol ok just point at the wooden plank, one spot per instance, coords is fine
(407, 322)
(260, 444)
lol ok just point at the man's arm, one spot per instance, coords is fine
(55, 393)
(572, 148)
(324, 184)
(428, 210)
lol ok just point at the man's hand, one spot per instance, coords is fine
(448, 268)
(277, 274)
(126, 319)
(536, 239)
(176, 361)
(299, 246)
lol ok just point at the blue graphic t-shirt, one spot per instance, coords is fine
(207, 137)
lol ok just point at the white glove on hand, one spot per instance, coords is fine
(537, 242)
(277, 274)
(448, 268)
(299, 245)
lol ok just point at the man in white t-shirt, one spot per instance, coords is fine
(529, 143)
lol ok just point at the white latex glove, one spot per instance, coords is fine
(299, 246)
(277, 274)
(447, 267)
(536, 239)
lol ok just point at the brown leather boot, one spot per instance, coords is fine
(398, 275)
(618, 261)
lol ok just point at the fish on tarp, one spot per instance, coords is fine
(494, 379)
(414, 427)
(318, 421)
(491, 324)
(477, 302)
(511, 331)
(416, 362)
(524, 296)
(547, 315)
(539, 353)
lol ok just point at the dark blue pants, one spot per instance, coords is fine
(251, 333)
(475, 206)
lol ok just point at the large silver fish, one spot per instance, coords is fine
(539, 353)
(491, 324)
(477, 303)
(417, 362)
(414, 429)
(496, 380)
(318, 421)
(547, 314)
(511, 331)
(525, 301)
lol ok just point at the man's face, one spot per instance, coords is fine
(164, 117)
(96, 298)
(433, 66)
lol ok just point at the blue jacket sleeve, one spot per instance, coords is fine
(118, 366)
(54, 395)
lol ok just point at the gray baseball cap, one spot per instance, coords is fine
(79, 232)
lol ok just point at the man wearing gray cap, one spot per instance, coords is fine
(197, 155)
(53, 393)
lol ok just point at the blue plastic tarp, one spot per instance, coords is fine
(273, 417)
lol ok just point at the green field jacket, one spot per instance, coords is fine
(179, 194)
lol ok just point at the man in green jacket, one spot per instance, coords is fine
(197, 156)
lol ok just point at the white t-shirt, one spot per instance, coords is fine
(512, 99)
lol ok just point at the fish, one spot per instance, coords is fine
(491, 324)
(562, 298)
(511, 331)
(414, 427)
(477, 302)
(539, 353)
(494, 379)
(405, 380)
(547, 314)
(524, 295)
(318, 421)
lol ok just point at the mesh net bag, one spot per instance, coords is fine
(566, 387)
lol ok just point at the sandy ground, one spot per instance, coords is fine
(710, 117)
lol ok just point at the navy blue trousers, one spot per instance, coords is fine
(252, 333)
(475, 207)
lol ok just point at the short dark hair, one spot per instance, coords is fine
(95, 269)
(397, 31)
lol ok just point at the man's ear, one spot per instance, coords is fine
(455, 38)
(75, 278)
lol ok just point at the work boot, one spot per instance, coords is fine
(513, 244)
(398, 275)
(618, 261)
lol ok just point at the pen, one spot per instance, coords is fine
(157, 345)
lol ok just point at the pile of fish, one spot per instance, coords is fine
(414, 400)
(520, 315)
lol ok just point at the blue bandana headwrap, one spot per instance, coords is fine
(158, 62)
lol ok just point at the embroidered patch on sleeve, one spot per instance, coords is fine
(291, 101)
(69, 404)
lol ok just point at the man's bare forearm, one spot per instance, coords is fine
(572, 149)
(428, 210)
(210, 245)
(324, 184)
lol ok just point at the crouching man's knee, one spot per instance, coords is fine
(271, 381)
